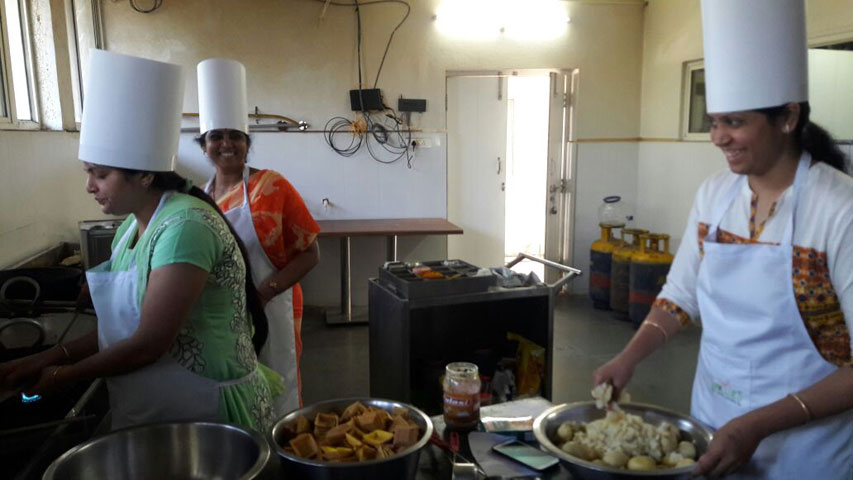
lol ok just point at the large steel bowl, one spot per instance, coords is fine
(169, 450)
(546, 424)
(399, 467)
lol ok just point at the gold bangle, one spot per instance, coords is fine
(65, 350)
(802, 405)
(654, 324)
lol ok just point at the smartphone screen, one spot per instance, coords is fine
(524, 453)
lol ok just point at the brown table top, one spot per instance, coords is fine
(387, 226)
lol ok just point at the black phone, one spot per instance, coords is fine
(526, 454)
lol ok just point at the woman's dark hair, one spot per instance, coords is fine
(200, 139)
(173, 181)
(811, 137)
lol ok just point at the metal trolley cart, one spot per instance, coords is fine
(412, 339)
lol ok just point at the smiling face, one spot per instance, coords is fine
(116, 192)
(751, 142)
(226, 148)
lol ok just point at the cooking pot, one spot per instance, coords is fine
(167, 450)
(403, 466)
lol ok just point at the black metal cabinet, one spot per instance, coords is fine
(411, 340)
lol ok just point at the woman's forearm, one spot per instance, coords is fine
(656, 330)
(294, 271)
(122, 357)
(830, 396)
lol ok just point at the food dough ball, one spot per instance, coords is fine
(685, 462)
(615, 458)
(565, 432)
(578, 449)
(672, 458)
(687, 449)
(602, 393)
(641, 463)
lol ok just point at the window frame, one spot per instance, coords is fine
(687, 100)
(10, 121)
(96, 39)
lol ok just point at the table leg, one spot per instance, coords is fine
(346, 315)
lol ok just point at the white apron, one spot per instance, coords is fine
(755, 350)
(279, 351)
(164, 390)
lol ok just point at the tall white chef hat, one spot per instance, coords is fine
(222, 95)
(755, 53)
(131, 113)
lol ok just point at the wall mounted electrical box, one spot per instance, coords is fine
(411, 105)
(371, 98)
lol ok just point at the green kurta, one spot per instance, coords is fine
(215, 342)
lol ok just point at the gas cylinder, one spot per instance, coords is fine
(599, 267)
(620, 267)
(649, 268)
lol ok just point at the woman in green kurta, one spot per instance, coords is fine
(179, 320)
(216, 341)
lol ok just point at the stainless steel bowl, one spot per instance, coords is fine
(168, 450)
(400, 467)
(546, 424)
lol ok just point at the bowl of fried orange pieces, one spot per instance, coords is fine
(351, 438)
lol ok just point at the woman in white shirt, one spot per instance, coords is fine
(766, 262)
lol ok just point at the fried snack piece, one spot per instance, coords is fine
(377, 437)
(337, 453)
(353, 410)
(302, 425)
(337, 435)
(323, 422)
(352, 441)
(370, 421)
(366, 452)
(304, 445)
(405, 435)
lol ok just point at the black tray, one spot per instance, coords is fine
(399, 277)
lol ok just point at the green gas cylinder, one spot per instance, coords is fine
(649, 268)
(620, 267)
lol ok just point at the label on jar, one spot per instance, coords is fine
(461, 409)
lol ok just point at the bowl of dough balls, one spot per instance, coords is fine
(630, 440)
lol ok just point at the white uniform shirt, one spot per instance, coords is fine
(823, 252)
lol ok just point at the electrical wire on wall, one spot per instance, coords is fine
(157, 4)
(380, 130)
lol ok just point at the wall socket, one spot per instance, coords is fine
(425, 142)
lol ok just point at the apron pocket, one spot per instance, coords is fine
(723, 386)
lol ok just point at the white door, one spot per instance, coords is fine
(560, 176)
(476, 154)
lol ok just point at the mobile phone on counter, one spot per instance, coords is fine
(526, 454)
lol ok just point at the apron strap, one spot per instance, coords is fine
(728, 199)
(208, 189)
(125, 239)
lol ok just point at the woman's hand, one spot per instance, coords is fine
(21, 372)
(616, 372)
(50, 379)
(732, 447)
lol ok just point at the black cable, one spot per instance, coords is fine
(157, 4)
(390, 38)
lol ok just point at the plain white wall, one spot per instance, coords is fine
(670, 170)
(302, 67)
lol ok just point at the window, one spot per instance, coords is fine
(85, 18)
(17, 83)
(694, 120)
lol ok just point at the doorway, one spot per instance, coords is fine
(510, 167)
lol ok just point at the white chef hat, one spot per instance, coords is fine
(755, 53)
(131, 112)
(222, 95)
